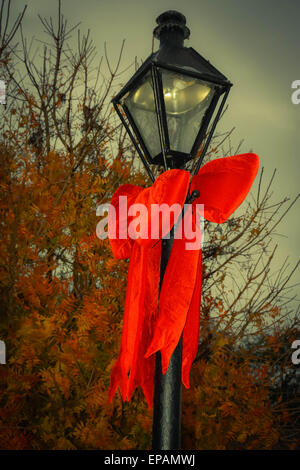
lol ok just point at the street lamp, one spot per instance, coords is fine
(166, 108)
(170, 100)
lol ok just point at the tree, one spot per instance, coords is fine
(6, 36)
(228, 407)
(64, 152)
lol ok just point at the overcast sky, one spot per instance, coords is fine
(254, 43)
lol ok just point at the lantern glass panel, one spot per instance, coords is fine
(141, 105)
(186, 102)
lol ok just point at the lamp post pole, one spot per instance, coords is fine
(166, 429)
(166, 433)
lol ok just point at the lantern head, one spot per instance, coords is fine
(170, 100)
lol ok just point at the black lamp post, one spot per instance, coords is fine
(166, 108)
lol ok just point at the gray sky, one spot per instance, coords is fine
(254, 43)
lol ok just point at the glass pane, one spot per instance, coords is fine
(140, 102)
(186, 101)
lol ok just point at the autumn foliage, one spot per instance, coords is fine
(228, 406)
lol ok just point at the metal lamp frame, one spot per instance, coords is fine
(179, 158)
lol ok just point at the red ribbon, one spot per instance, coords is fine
(149, 325)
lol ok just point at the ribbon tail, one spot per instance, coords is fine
(132, 369)
(190, 341)
(173, 309)
(142, 368)
(120, 371)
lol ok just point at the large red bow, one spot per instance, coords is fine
(150, 325)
